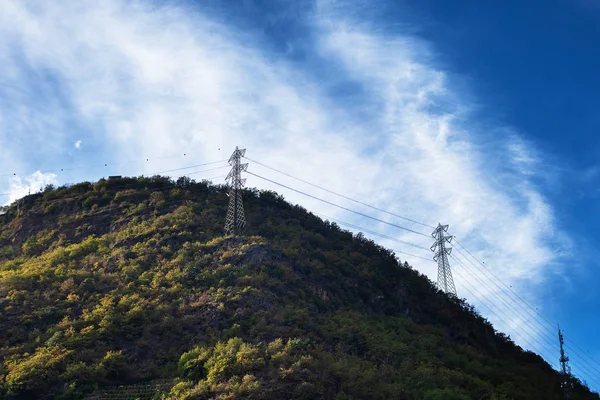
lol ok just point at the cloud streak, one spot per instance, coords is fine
(151, 80)
(19, 187)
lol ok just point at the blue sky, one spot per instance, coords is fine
(481, 115)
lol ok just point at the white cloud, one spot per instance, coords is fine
(78, 145)
(522, 155)
(20, 187)
(168, 82)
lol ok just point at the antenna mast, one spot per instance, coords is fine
(445, 281)
(566, 384)
(235, 220)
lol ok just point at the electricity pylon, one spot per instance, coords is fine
(566, 383)
(444, 281)
(235, 220)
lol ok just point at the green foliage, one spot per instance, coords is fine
(191, 364)
(128, 281)
(113, 365)
(229, 369)
(446, 394)
(221, 362)
(31, 374)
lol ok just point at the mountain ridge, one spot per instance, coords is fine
(129, 280)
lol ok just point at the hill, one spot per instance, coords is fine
(130, 281)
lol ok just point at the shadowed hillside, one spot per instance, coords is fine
(130, 281)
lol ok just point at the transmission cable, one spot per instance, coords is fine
(399, 216)
(100, 165)
(550, 343)
(190, 167)
(126, 184)
(380, 235)
(108, 210)
(533, 313)
(507, 295)
(484, 285)
(341, 195)
(391, 238)
(534, 330)
(375, 233)
(172, 170)
(480, 298)
(492, 292)
(338, 206)
(593, 380)
(539, 331)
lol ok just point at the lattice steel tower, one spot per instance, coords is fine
(235, 220)
(566, 384)
(444, 281)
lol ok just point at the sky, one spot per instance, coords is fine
(479, 115)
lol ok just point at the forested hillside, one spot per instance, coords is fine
(126, 281)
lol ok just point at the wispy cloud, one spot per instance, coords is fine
(78, 145)
(440, 160)
(19, 187)
(165, 80)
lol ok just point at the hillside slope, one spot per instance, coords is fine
(130, 280)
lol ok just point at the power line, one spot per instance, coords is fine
(213, 177)
(484, 285)
(124, 185)
(480, 297)
(373, 207)
(298, 191)
(503, 291)
(494, 293)
(529, 310)
(548, 339)
(108, 210)
(548, 342)
(341, 195)
(378, 234)
(533, 330)
(533, 313)
(348, 198)
(172, 170)
(458, 261)
(190, 167)
(338, 206)
(100, 165)
(359, 213)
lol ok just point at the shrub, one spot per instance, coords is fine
(32, 373)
